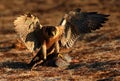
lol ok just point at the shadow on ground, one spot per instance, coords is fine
(14, 65)
(96, 65)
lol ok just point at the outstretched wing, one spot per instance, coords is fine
(77, 23)
(26, 26)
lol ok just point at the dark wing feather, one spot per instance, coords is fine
(78, 23)
(26, 26)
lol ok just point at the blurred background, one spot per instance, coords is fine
(50, 12)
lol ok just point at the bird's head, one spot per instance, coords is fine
(50, 31)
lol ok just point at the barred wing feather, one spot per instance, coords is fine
(25, 26)
(77, 23)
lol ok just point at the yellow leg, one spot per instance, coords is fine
(36, 64)
(60, 55)
(64, 57)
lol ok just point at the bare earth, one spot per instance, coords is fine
(98, 53)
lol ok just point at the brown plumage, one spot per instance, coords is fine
(45, 40)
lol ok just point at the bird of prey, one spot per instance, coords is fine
(46, 40)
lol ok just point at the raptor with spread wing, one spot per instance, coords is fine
(45, 40)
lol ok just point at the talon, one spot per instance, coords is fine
(35, 61)
(63, 60)
(65, 57)
(60, 55)
(36, 64)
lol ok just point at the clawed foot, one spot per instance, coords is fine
(32, 66)
(60, 60)
(60, 55)
(63, 60)
(65, 57)
(34, 62)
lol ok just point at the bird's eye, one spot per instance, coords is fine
(46, 30)
(53, 29)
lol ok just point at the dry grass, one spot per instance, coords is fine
(98, 52)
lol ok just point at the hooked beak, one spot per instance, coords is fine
(53, 33)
